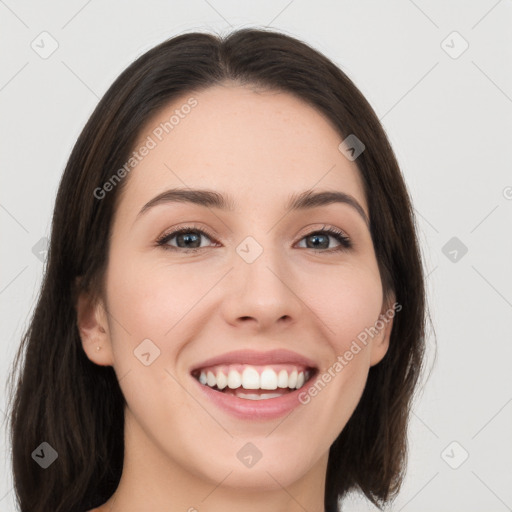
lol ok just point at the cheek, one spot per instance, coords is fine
(159, 303)
(351, 307)
(148, 308)
(151, 301)
(349, 302)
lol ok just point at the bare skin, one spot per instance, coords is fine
(181, 449)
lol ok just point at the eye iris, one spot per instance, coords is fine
(316, 237)
(186, 237)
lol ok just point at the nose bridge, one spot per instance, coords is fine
(261, 281)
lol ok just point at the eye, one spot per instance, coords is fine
(320, 239)
(188, 236)
(188, 239)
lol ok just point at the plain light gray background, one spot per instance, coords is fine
(448, 112)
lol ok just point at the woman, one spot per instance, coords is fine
(232, 314)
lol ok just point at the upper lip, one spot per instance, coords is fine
(254, 357)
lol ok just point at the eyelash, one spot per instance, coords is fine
(345, 242)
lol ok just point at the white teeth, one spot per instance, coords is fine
(282, 379)
(222, 380)
(250, 378)
(210, 379)
(292, 379)
(254, 396)
(234, 379)
(268, 379)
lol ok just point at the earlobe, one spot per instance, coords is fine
(93, 329)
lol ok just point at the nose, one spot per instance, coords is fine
(261, 294)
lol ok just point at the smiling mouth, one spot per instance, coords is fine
(253, 382)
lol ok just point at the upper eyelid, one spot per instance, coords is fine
(169, 235)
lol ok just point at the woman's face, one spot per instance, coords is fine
(256, 287)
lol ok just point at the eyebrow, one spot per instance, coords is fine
(211, 199)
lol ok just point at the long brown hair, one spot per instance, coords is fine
(77, 407)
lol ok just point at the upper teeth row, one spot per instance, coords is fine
(251, 379)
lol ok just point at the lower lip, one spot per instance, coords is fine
(247, 409)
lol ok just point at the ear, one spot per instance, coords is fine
(93, 328)
(384, 325)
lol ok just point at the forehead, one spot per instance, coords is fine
(256, 146)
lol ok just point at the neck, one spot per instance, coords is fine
(152, 480)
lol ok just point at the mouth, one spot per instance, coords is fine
(252, 384)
